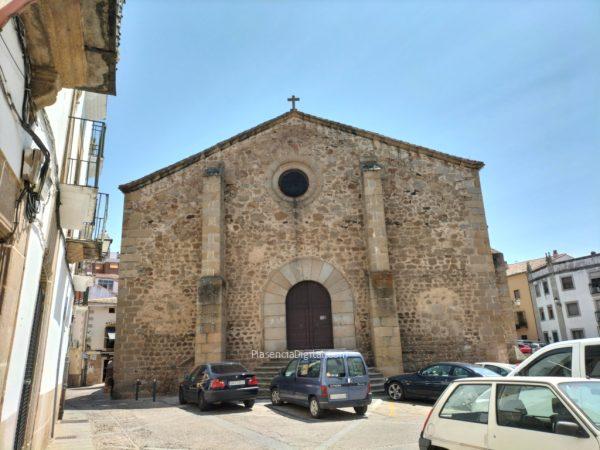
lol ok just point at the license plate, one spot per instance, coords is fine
(337, 396)
(237, 383)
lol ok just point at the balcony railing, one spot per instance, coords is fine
(87, 136)
(594, 288)
(96, 230)
(521, 324)
(90, 243)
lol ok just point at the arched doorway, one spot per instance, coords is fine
(308, 317)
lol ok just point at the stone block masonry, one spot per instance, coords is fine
(394, 232)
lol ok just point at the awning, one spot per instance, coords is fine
(111, 336)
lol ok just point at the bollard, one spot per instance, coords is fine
(154, 390)
(137, 388)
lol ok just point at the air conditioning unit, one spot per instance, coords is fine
(33, 160)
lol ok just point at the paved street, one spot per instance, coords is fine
(91, 420)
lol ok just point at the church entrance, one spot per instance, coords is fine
(308, 317)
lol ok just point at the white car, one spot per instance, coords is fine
(575, 358)
(517, 413)
(501, 369)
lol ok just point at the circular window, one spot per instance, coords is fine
(293, 183)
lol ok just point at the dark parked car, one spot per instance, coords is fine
(219, 382)
(324, 380)
(430, 382)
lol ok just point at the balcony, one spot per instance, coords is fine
(595, 286)
(79, 186)
(92, 242)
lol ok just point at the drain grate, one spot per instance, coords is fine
(65, 437)
(75, 421)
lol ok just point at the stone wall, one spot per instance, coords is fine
(438, 250)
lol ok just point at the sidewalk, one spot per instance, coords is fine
(74, 430)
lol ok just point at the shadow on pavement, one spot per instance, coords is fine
(301, 413)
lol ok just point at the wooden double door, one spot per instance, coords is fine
(308, 317)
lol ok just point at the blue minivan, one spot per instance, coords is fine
(324, 380)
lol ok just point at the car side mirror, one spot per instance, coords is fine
(569, 429)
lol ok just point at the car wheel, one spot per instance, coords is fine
(314, 408)
(182, 400)
(202, 403)
(395, 391)
(248, 403)
(360, 410)
(275, 398)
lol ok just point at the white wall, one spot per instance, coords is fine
(98, 318)
(587, 318)
(12, 137)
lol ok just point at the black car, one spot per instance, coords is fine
(219, 382)
(430, 382)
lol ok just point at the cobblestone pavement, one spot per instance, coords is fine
(91, 420)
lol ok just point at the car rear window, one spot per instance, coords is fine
(483, 371)
(356, 366)
(592, 361)
(228, 368)
(335, 367)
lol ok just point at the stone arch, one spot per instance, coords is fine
(302, 269)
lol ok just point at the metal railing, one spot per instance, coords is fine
(594, 288)
(89, 138)
(96, 229)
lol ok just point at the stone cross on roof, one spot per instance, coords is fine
(293, 99)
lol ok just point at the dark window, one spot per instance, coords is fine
(335, 367)
(546, 337)
(107, 284)
(572, 309)
(578, 334)
(439, 370)
(550, 312)
(224, 369)
(545, 284)
(517, 294)
(290, 370)
(592, 361)
(460, 372)
(111, 310)
(595, 285)
(529, 407)
(523, 336)
(469, 403)
(109, 337)
(556, 363)
(542, 315)
(521, 320)
(555, 337)
(309, 368)
(567, 283)
(356, 366)
(293, 183)
(537, 290)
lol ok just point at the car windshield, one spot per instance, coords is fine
(228, 368)
(483, 371)
(586, 395)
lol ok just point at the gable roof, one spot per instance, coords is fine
(538, 263)
(166, 171)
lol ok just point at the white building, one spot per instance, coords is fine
(54, 76)
(567, 297)
(94, 325)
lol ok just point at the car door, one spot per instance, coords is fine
(463, 419)
(287, 380)
(191, 391)
(433, 380)
(336, 377)
(591, 354)
(358, 378)
(307, 380)
(525, 418)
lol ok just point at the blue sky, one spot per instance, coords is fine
(513, 84)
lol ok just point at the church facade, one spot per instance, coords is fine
(303, 233)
